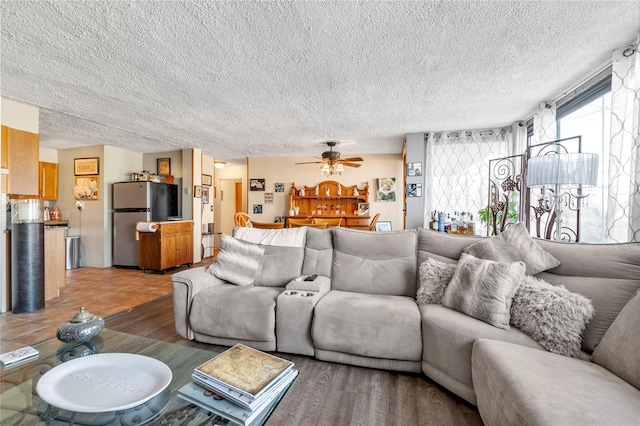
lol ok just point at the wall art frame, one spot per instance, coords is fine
(86, 166)
(163, 166)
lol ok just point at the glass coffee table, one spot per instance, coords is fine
(21, 405)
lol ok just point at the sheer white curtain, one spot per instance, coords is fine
(623, 206)
(544, 123)
(457, 169)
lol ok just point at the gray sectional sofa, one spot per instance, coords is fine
(361, 310)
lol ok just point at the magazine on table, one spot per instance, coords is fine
(242, 400)
(205, 398)
(247, 371)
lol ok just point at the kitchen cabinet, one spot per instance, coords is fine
(48, 182)
(20, 154)
(171, 245)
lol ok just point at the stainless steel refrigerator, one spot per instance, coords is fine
(138, 201)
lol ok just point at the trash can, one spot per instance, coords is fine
(73, 252)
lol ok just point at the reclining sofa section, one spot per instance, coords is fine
(362, 310)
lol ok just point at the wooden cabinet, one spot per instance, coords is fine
(331, 199)
(20, 154)
(48, 182)
(171, 245)
(54, 262)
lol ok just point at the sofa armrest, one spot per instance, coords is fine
(186, 284)
(321, 285)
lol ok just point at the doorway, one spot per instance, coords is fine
(230, 203)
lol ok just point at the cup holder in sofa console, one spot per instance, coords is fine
(307, 294)
(290, 293)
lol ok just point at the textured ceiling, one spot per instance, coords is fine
(251, 79)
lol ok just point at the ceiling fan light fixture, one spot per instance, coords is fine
(332, 170)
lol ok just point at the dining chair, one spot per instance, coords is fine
(330, 222)
(242, 219)
(294, 223)
(267, 225)
(372, 224)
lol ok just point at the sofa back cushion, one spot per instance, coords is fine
(318, 252)
(375, 262)
(283, 253)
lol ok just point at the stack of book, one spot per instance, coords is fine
(241, 384)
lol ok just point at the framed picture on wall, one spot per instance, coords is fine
(256, 184)
(86, 166)
(86, 188)
(257, 209)
(163, 166)
(414, 190)
(207, 180)
(414, 169)
(197, 191)
(205, 195)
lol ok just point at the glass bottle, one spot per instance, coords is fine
(471, 226)
(462, 223)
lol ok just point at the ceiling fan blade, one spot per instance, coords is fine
(346, 163)
(311, 162)
(352, 159)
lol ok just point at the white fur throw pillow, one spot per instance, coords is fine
(513, 245)
(551, 315)
(237, 262)
(484, 289)
(434, 277)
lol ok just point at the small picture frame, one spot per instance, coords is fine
(363, 209)
(87, 188)
(207, 180)
(205, 195)
(383, 225)
(197, 191)
(279, 187)
(414, 190)
(86, 166)
(164, 166)
(268, 197)
(414, 169)
(257, 209)
(256, 184)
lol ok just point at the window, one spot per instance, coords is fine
(588, 115)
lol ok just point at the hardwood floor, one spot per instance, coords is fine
(323, 394)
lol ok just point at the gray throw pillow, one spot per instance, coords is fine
(434, 277)
(484, 289)
(619, 349)
(551, 315)
(514, 245)
(237, 262)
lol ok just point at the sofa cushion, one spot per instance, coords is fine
(448, 338)
(237, 261)
(229, 311)
(516, 385)
(318, 252)
(434, 277)
(370, 325)
(619, 350)
(375, 263)
(283, 253)
(513, 245)
(484, 289)
(551, 315)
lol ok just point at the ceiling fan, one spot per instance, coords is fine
(332, 158)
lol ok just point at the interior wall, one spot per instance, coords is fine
(229, 173)
(283, 170)
(207, 209)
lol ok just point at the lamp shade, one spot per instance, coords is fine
(572, 169)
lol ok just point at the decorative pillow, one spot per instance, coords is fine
(237, 262)
(434, 277)
(484, 289)
(551, 315)
(514, 245)
(619, 349)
